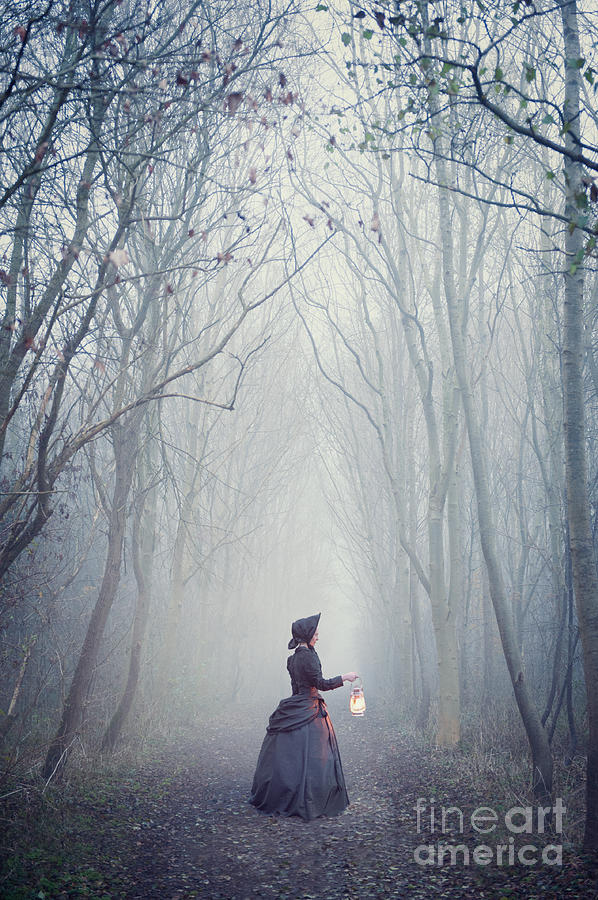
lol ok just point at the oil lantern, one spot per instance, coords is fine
(357, 700)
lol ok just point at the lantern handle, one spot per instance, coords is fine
(359, 678)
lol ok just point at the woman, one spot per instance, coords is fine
(299, 770)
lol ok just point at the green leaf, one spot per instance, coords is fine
(581, 201)
(530, 73)
(589, 75)
(346, 38)
(321, 8)
(498, 74)
(367, 34)
(548, 120)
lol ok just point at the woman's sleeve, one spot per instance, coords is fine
(313, 674)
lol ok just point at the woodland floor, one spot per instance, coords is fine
(177, 825)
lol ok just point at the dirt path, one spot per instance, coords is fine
(179, 826)
(207, 841)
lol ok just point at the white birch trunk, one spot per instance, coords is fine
(585, 579)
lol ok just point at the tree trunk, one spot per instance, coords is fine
(168, 669)
(402, 628)
(423, 712)
(449, 724)
(439, 471)
(585, 579)
(142, 551)
(125, 444)
(489, 680)
(537, 737)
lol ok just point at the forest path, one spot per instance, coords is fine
(203, 839)
(177, 825)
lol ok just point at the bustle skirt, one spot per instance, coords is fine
(299, 771)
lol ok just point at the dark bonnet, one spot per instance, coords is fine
(303, 630)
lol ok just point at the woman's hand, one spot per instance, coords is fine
(350, 676)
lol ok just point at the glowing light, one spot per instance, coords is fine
(357, 701)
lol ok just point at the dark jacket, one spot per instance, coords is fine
(305, 669)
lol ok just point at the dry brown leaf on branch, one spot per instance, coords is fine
(233, 102)
(375, 226)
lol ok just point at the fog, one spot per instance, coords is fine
(289, 327)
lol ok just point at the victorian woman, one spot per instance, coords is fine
(299, 771)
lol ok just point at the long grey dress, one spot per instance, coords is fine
(299, 771)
